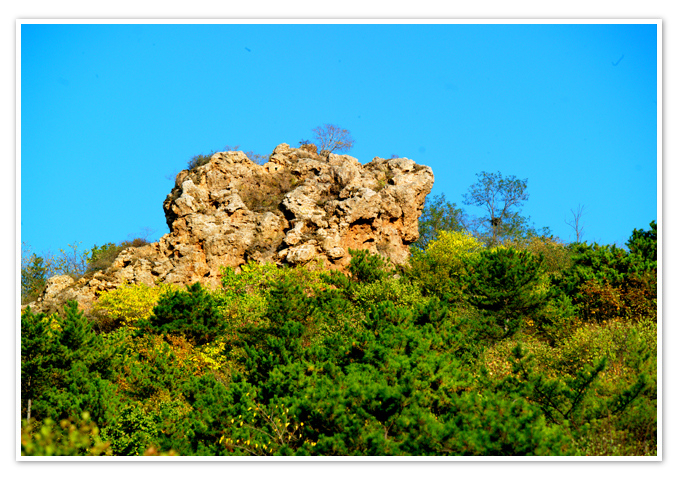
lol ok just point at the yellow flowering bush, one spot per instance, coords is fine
(440, 267)
(451, 247)
(211, 356)
(130, 302)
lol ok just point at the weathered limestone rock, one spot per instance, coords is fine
(298, 207)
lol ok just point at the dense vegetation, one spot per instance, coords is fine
(545, 349)
(494, 341)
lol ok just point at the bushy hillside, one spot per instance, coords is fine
(528, 347)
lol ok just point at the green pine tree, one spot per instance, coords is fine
(502, 283)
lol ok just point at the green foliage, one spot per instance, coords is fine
(193, 313)
(560, 399)
(199, 160)
(366, 267)
(642, 244)
(606, 282)
(292, 323)
(132, 432)
(439, 269)
(195, 430)
(34, 274)
(501, 197)
(469, 351)
(400, 291)
(64, 438)
(103, 257)
(601, 381)
(244, 295)
(558, 318)
(66, 369)
(438, 215)
(502, 283)
(392, 389)
(128, 304)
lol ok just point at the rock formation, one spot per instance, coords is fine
(297, 208)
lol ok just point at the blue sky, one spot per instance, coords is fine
(110, 112)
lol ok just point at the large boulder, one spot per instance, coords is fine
(297, 208)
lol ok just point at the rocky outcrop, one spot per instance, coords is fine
(297, 208)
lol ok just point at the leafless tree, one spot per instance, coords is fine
(575, 223)
(331, 138)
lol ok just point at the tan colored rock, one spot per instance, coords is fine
(301, 254)
(300, 206)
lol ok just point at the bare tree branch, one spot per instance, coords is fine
(332, 138)
(575, 223)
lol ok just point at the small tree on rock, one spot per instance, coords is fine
(331, 138)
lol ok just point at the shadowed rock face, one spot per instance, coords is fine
(299, 207)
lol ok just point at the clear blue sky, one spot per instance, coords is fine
(109, 112)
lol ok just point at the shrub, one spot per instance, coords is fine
(558, 318)
(66, 370)
(556, 255)
(199, 160)
(35, 269)
(601, 380)
(607, 282)
(503, 283)
(67, 437)
(440, 268)
(72, 262)
(366, 267)
(33, 278)
(616, 341)
(598, 301)
(244, 295)
(101, 258)
(128, 304)
(193, 313)
(497, 359)
(132, 432)
(399, 291)
(389, 389)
